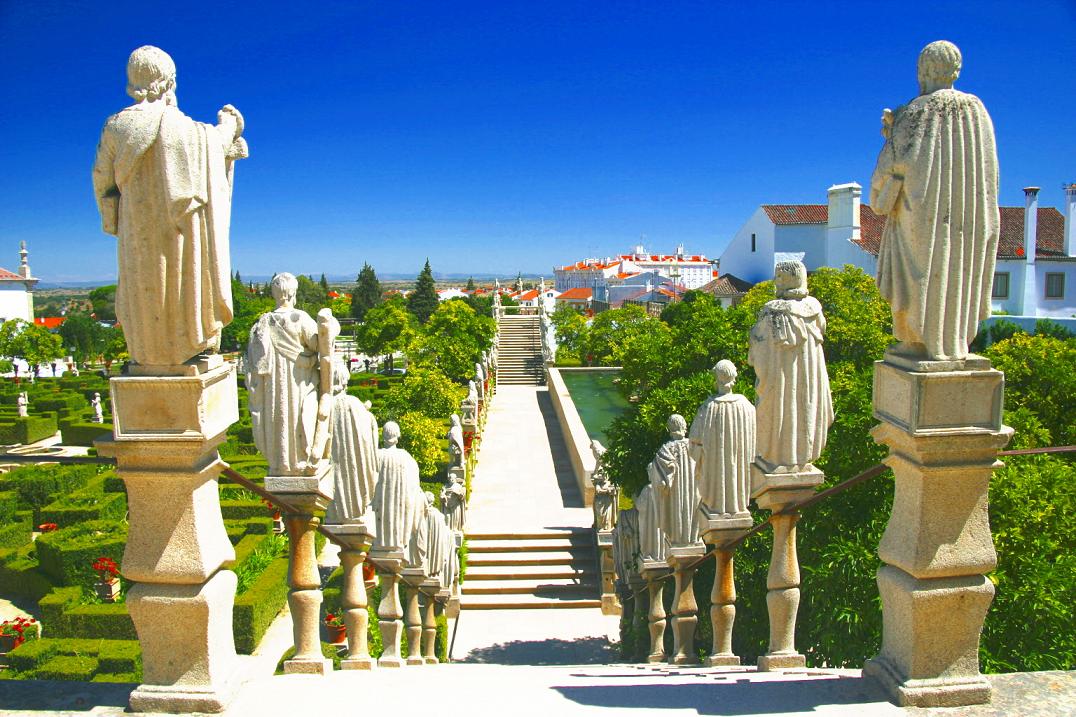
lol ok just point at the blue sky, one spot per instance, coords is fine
(503, 136)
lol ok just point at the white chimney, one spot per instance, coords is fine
(24, 266)
(1070, 219)
(842, 224)
(1031, 222)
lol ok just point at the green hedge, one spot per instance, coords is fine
(101, 660)
(65, 616)
(66, 556)
(84, 506)
(37, 486)
(16, 531)
(234, 509)
(19, 574)
(60, 402)
(9, 503)
(80, 432)
(255, 609)
(27, 430)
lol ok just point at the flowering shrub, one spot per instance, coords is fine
(47, 527)
(106, 568)
(334, 620)
(16, 628)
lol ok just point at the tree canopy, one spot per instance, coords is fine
(423, 300)
(453, 339)
(367, 293)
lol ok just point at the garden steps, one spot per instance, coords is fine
(547, 569)
(519, 359)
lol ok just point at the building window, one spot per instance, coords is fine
(1055, 286)
(752, 242)
(1001, 285)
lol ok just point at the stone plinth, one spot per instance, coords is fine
(683, 561)
(306, 496)
(389, 565)
(719, 530)
(412, 582)
(430, 588)
(355, 539)
(654, 573)
(610, 603)
(942, 424)
(777, 491)
(167, 429)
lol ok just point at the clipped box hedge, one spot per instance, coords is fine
(114, 660)
(27, 430)
(19, 574)
(85, 506)
(64, 616)
(66, 555)
(39, 485)
(16, 531)
(81, 432)
(255, 609)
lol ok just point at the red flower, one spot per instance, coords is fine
(47, 527)
(107, 568)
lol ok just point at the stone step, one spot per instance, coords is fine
(537, 588)
(529, 546)
(531, 572)
(579, 559)
(536, 535)
(523, 602)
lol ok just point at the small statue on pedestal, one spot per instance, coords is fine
(354, 453)
(606, 494)
(672, 475)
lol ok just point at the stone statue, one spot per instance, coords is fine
(436, 529)
(354, 453)
(418, 546)
(606, 495)
(98, 410)
(456, 449)
(398, 501)
(480, 380)
(723, 446)
(451, 568)
(651, 539)
(937, 183)
(470, 404)
(672, 475)
(163, 184)
(794, 407)
(454, 502)
(626, 544)
(22, 402)
(282, 382)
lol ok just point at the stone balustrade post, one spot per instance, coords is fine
(610, 603)
(305, 496)
(776, 492)
(718, 530)
(355, 539)
(654, 574)
(412, 581)
(685, 609)
(430, 588)
(168, 422)
(942, 423)
(390, 609)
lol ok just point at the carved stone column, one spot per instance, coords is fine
(356, 539)
(168, 425)
(390, 610)
(307, 496)
(718, 530)
(610, 604)
(654, 574)
(412, 579)
(775, 492)
(942, 423)
(685, 608)
(430, 587)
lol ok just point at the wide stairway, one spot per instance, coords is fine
(519, 359)
(544, 569)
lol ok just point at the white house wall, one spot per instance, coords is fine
(740, 261)
(15, 302)
(1057, 308)
(807, 238)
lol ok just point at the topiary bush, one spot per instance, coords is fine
(66, 555)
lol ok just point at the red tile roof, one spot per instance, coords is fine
(727, 285)
(528, 295)
(6, 275)
(1050, 240)
(49, 322)
(578, 293)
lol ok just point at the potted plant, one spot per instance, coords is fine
(13, 633)
(336, 628)
(278, 519)
(108, 583)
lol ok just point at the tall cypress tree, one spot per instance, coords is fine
(367, 293)
(423, 300)
(470, 284)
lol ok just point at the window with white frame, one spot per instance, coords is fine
(1055, 286)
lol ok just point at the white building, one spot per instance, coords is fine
(16, 291)
(685, 270)
(1036, 261)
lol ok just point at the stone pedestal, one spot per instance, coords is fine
(610, 603)
(776, 492)
(356, 539)
(412, 580)
(390, 611)
(429, 587)
(717, 531)
(167, 426)
(682, 561)
(306, 496)
(654, 574)
(942, 424)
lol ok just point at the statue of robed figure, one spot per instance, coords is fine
(354, 453)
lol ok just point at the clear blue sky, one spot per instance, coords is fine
(504, 136)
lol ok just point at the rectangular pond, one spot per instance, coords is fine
(596, 399)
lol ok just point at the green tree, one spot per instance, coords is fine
(388, 328)
(453, 339)
(611, 331)
(103, 299)
(367, 293)
(425, 390)
(30, 342)
(423, 300)
(310, 296)
(324, 284)
(424, 438)
(82, 335)
(571, 327)
(341, 306)
(470, 284)
(1039, 377)
(247, 306)
(115, 347)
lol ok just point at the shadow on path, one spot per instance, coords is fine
(562, 464)
(551, 651)
(63, 696)
(726, 696)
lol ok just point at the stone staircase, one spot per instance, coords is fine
(518, 571)
(519, 359)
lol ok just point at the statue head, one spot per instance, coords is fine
(939, 66)
(724, 375)
(283, 287)
(677, 426)
(390, 434)
(790, 279)
(151, 74)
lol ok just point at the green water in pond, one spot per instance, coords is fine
(597, 400)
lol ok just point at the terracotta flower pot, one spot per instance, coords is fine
(337, 633)
(8, 643)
